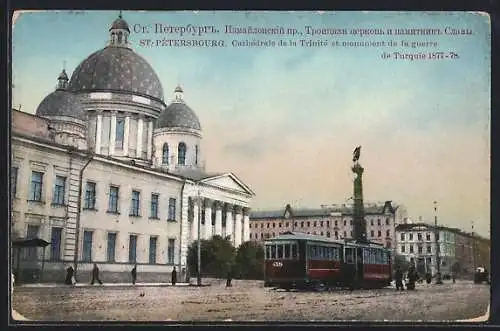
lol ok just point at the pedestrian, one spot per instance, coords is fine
(428, 277)
(174, 276)
(398, 276)
(69, 275)
(453, 277)
(134, 274)
(229, 278)
(95, 275)
(412, 277)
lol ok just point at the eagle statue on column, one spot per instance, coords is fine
(356, 154)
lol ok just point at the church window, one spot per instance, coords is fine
(120, 35)
(181, 154)
(196, 154)
(165, 154)
(120, 132)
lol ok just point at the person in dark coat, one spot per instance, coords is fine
(69, 276)
(229, 277)
(174, 276)
(95, 275)
(398, 277)
(412, 277)
(134, 274)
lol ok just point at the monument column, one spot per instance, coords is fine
(140, 127)
(359, 222)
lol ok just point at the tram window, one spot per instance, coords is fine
(294, 251)
(273, 251)
(280, 251)
(349, 255)
(287, 251)
(268, 252)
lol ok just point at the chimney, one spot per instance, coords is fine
(420, 219)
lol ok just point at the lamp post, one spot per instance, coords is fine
(438, 258)
(473, 249)
(199, 238)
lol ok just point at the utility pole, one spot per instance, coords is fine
(473, 248)
(438, 258)
(199, 238)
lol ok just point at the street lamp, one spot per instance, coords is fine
(436, 235)
(199, 238)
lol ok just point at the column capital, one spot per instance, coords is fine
(218, 204)
(238, 209)
(246, 211)
(207, 202)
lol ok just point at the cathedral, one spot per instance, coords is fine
(110, 173)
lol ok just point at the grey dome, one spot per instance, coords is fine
(178, 114)
(61, 103)
(116, 69)
(119, 23)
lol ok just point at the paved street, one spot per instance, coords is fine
(247, 301)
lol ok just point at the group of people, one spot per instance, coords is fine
(70, 275)
(412, 276)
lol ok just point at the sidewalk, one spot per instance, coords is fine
(104, 284)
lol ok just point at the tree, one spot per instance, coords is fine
(217, 257)
(249, 261)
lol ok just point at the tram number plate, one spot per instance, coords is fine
(277, 264)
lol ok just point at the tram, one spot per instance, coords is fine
(298, 260)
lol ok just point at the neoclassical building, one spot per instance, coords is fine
(109, 172)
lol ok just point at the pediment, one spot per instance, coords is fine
(228, 182)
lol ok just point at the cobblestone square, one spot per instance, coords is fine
(250, 301)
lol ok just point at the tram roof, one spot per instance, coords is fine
(311, 237)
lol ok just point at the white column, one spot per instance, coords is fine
(208, 220)
(140, 126)
(218, 218)
(112, 135)
(246, 224)
(229, 222)
(98, 132)
(150, 139)
(194, 225)
(126, 128)
(237, 227)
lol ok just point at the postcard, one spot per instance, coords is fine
(250, 166)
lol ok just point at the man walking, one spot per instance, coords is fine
(174, 276)
(134, 274)
(95, 275)
(398, 277)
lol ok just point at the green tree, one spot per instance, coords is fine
(249, 261)
(217, 257)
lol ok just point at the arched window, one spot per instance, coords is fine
(196, 155)
(181, 152)
(165, 154)
(120, 34)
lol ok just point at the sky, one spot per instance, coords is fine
(285, 120)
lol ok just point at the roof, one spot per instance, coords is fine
(410, 226)
(119, 23)
(289, 235)
(61, 103)
(116, 69)
(321, 212)
(178, 114)
(195, 174)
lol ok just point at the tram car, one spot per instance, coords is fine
(298, 260)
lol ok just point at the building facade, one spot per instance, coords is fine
(334, 221)
(108, 173)
(458, 251)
